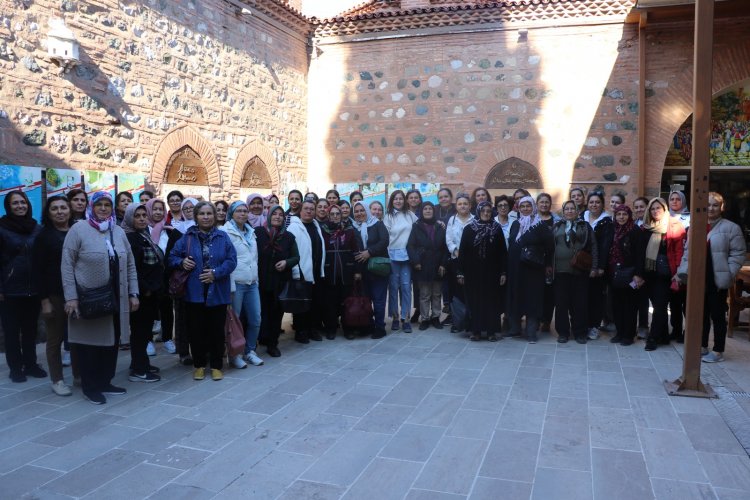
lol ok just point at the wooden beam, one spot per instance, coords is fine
(689, 384)
(642, 104)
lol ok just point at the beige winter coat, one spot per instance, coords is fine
(727, 254)
(85, 260)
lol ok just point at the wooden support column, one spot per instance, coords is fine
(642, 104)
(689, 384)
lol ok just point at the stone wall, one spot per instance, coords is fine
(447, 108)
(149, 68)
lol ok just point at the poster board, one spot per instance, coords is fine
(94, 181)
(429, 191)
(135, 184)
(27, 179)
(60, 181)
(346, 189)
(374, 191)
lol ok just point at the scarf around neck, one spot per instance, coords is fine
(485, 231)
(23, 224)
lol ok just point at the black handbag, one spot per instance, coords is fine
(101, 301)
(97, 302)
(532, 256)
(623, 276)
(296, 296)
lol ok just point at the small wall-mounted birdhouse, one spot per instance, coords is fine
(62, 46)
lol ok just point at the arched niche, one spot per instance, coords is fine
(175, 141)
(255, 175)
(255, 170)
(513, 173)
(185, 167)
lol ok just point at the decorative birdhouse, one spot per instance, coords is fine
(62, 46)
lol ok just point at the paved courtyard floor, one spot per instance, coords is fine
(427, 415)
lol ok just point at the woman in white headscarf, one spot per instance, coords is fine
(374, 237)
(529, 262)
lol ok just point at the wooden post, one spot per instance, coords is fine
(689, 384)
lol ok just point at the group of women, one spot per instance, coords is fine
(496, 269)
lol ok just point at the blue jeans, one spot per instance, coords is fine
(400, 282)
(247, 303)
(377, 288)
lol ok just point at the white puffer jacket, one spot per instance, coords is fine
(727, 254)
(246, 272)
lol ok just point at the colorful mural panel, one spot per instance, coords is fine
(59, 181)
(730, 133)
(99, 181)
(27, 179)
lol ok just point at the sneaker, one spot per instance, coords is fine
(150, 349)
(34, 371)
(66, 358)
(199, 373)
(395, 326)
(156, 329)
(642, 333)
(113, 389)
(436, 324)
(61, 389)
(216, 374)
(186, 360)
(593, 333)
(143, 377)
(238, 362)
(253, 359)
(406, 326)
(424, 325)
(96, 398)
(704, 351)
(170, 347)
(713, 357)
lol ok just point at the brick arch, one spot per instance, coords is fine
(185, 135)
(669, 109)
(248, 152)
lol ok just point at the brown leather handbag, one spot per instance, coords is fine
(178, 278)
(582, 261)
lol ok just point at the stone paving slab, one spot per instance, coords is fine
(426, 415)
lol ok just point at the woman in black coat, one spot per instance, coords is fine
(277, 255)
(529, 264)
(149, 265)
(603, 227)
(374, 236)
(482, 264)
(19, 299)
(428, 255)
(621, 271)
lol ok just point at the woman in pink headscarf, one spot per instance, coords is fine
(255, 204)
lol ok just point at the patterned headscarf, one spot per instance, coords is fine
(100, 225)
(486, 231)
(527, 221)
(156, 227)
(615, 256)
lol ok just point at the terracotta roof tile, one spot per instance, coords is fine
(373, 9)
